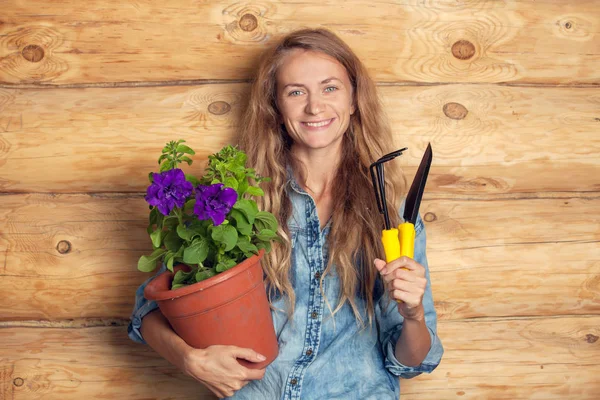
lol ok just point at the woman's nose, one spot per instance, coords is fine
(314, 105)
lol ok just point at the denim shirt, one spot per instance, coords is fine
(319, 358)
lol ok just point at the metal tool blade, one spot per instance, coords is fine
(415, 194)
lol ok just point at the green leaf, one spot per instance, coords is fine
(148, 263)
(266, 235)
(182, 148)
(248, 207)
(164, 167)
(186, 159)
(169, 260)
(196, 252)
(153, 216)
(265, 220)
(189, 205)
(163, 157)
(176, 258)
(225, 264)
(247, 248)
(205, 274)
(159, 220)
(240, 158)
(172, 241)
(225, 234)
(242, 186)
(264, 245)
(170, 222)
(181, 277)
(255, 191)
(185, 233)
(231, 182)
(241, 222)
(157, 237)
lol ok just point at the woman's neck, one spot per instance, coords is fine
(320, 168)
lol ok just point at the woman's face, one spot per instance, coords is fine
(314, 97)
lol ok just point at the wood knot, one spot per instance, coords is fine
(463, 50)
(63, 247)
(455, 111)
(219, 108)
(248, 22)
(430, 217)
(460, 393)
(33, 53)
(18, 382)
(568, 25)
(591, 338)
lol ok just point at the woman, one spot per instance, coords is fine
(314, 124)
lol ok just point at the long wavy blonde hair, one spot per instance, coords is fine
(367, 138)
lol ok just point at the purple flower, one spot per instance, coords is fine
(214, 202)
(168, 189)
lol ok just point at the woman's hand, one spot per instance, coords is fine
(405, 280)
(217, 368)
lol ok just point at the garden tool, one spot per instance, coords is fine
(400, 242)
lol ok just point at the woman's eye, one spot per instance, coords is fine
(331, 89)
(294, 93)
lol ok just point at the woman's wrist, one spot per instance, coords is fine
(417, 314)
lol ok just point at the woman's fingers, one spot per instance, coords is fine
(246, 354)
(255, 374)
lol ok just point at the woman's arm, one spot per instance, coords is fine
(408, 331)
(216, 367)
(157, 332)
(414, 342)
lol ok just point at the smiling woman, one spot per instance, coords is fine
(314, 124)
(315, 98)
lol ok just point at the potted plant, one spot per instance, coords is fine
(211, 237)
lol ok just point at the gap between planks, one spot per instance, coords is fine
(79, 323)
(202, 82)
(585, 195)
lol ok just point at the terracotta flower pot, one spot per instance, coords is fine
(230, 308)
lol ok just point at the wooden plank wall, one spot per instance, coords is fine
(506, 91)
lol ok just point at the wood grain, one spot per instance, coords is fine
(511, 140)
(540, 358)
(60, 43)
(537, 358)
(518, 257)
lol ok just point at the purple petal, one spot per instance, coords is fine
(217, 218)
(164, 209)
(228, 196)
(157, 179)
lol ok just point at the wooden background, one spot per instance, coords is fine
(507, 92)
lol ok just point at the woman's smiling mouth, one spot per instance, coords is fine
(318, 124)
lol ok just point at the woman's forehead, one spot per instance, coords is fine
(302, 67)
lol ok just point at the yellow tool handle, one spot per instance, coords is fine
(407, 239)
(391, 244)
(399, 242)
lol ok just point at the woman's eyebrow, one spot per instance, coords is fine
(333, 78)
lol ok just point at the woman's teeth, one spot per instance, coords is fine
(317, 124)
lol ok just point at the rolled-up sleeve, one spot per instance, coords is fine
(141, 308)
(390, 321)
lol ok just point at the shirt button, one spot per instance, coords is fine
(318, 275)
(294, 381)
(314, 315)
(308, 352)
